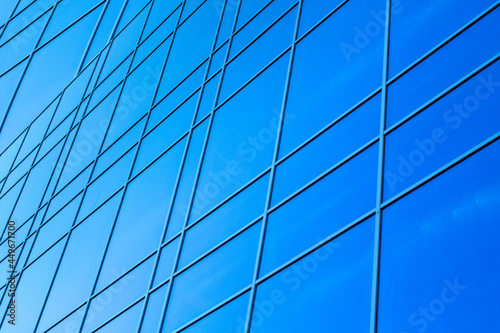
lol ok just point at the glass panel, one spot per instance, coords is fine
(436, 21)
(330, 78)
(142, 215)
(154, 310)
(8, 84)
(208, 98)
(166, 262)
(213, 279)
(439, 256)
(241, 147)
(359, 127)
(338, 199)
(454, 124)
(327, 291)
(313, 11)
(127, 321)
(160, 11)
(225, 221)
(83, 254)
(248, 9)
(118, 296)
(228, 319)
(462, 55)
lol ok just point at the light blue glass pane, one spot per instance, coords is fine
(208, 97)
(7, 203)
(465, 53)
(359, 127)
(30, 14)
(133, 7)
(142, 215)
(106, 185)
(218, 59)
(212, 280)
(247, 64)
(190, 48)
(37, 130)
(66, 13)
(49, 72)
(106, 25)
(8, 84)
(124, 43)
(226, 26)
(163, 136)
(8, 7)
(438, 260)
(58, 135)
(160, 11)
(259, 24)
(166, 262)
(83, 254)
(119, 148)
(241, 147)
(55, 228)
(456, 123)
(21, 45)
(154, 310)
(20, 170)
(248, 9)
(225, 221)
(32, 290)
(137, 94)
(186, 183)
(327, 291)
(71, 324)
(34, 188)
(436, 21)
(313, 11)
(118, 296)
(8, 156)
(189, 7)
(228, 319)
(329, 78)
(154, 41)
(178, 96)
(127, 321)
(338, 199)
(73, 95)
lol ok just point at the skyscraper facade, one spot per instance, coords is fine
(250, 166)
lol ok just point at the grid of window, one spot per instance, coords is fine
(250, 165)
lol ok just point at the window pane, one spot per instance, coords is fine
(439, 257)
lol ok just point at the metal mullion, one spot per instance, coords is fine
(202, 156)
(380, 176)
(272, 174)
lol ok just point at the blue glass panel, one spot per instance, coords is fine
(142, 215)
(7, 203)
(465, 53)
(213, 279)
(8, 156)
(118, 296)
(137, 94)
(107, 184)
(321, 210)
(218, 59)
(445, 252)
(8, 7)
(65, 14)
(166, 262)
(228, 319)
(30, 14)
(71, 324)
(247, 64)
(248, 9)
(32, 289)
(8, 84)
(190, 48)
(186, 183)
(154, 310)
(208, 97)
(330, 78)
(133, 7)
(241, 147)
(154, 41)
(456, 123)
(160, 11)
(83, 254)
(259, 24)
(436, 21)
(127, 321)
(226, 25)
(49, 72)
(327, 291)
(359, 127)
(225, 221)
(165, 134)
(313, 11)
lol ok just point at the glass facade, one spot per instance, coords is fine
(250, 166)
